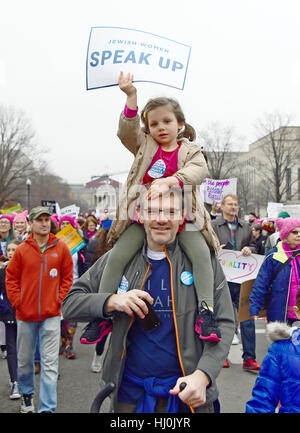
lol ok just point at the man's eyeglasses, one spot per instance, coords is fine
(152, 213)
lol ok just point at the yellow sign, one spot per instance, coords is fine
(11, 210)
(72, 239)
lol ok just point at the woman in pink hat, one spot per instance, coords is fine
(20, 225)
(6, 232)
(277, 282)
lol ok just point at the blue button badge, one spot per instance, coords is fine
(187, 278)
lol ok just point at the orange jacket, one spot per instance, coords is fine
(37, 282)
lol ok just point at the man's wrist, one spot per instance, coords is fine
(208, 378)
(108, 306)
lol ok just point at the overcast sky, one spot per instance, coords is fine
(244, 63)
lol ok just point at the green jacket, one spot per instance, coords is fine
(84, 303)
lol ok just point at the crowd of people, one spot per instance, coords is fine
(149, 282)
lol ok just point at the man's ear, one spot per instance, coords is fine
(139, 214)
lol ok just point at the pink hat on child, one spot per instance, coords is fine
(21, 216)
(286, 225)
(70, 219)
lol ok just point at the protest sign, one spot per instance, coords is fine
(71, 210)
(215, 189)
(11, 210)
(245, 292)
(148, 57)
(273, 209)
(50, 204)
(72, 239)
(238, 268)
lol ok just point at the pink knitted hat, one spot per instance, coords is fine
(70, 219)
(21, 216)
(8, 217)
(286, 225)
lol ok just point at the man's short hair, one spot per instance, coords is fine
(234, 196)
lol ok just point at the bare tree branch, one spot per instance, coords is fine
(218, 143)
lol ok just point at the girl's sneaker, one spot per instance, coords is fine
(206, 326)
(96, 330)
(14, 393)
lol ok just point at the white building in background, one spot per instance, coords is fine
(256, 178)
(101, 192)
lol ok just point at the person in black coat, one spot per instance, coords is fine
(260, 239)
(8, 316)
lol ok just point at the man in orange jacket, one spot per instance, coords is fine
(38, 278)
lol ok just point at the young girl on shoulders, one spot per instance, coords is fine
(165, 157)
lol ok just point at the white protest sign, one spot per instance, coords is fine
(216, 189)
(273, 209)
(148, 57)
(238, 268)
(71, 210)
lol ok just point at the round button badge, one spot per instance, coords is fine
(158, 169)
(187, 278)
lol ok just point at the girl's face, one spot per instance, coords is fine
(64, 224)
(10, 250)
(91, 226)
(293, 238)
(20, 225)
(164, 127)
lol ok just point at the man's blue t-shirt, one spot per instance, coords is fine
(153, 354)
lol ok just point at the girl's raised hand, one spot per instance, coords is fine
(125, 84)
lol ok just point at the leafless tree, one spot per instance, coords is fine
(219, 143)
(280, 146)
(18, 152)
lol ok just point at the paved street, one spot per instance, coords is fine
(78, 385)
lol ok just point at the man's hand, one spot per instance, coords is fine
(194, 394)
(246, 251)
(131, 302)
(214, 208)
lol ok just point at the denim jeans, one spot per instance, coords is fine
(247, 327)
(48, 334)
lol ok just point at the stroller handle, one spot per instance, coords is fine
(101, 396)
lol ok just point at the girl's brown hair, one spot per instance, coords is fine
(188, 131)
(15, 242)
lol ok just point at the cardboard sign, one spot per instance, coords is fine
(148, 57)
(215, 189)
(238, 268)
(70, 236)
(245, 292)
